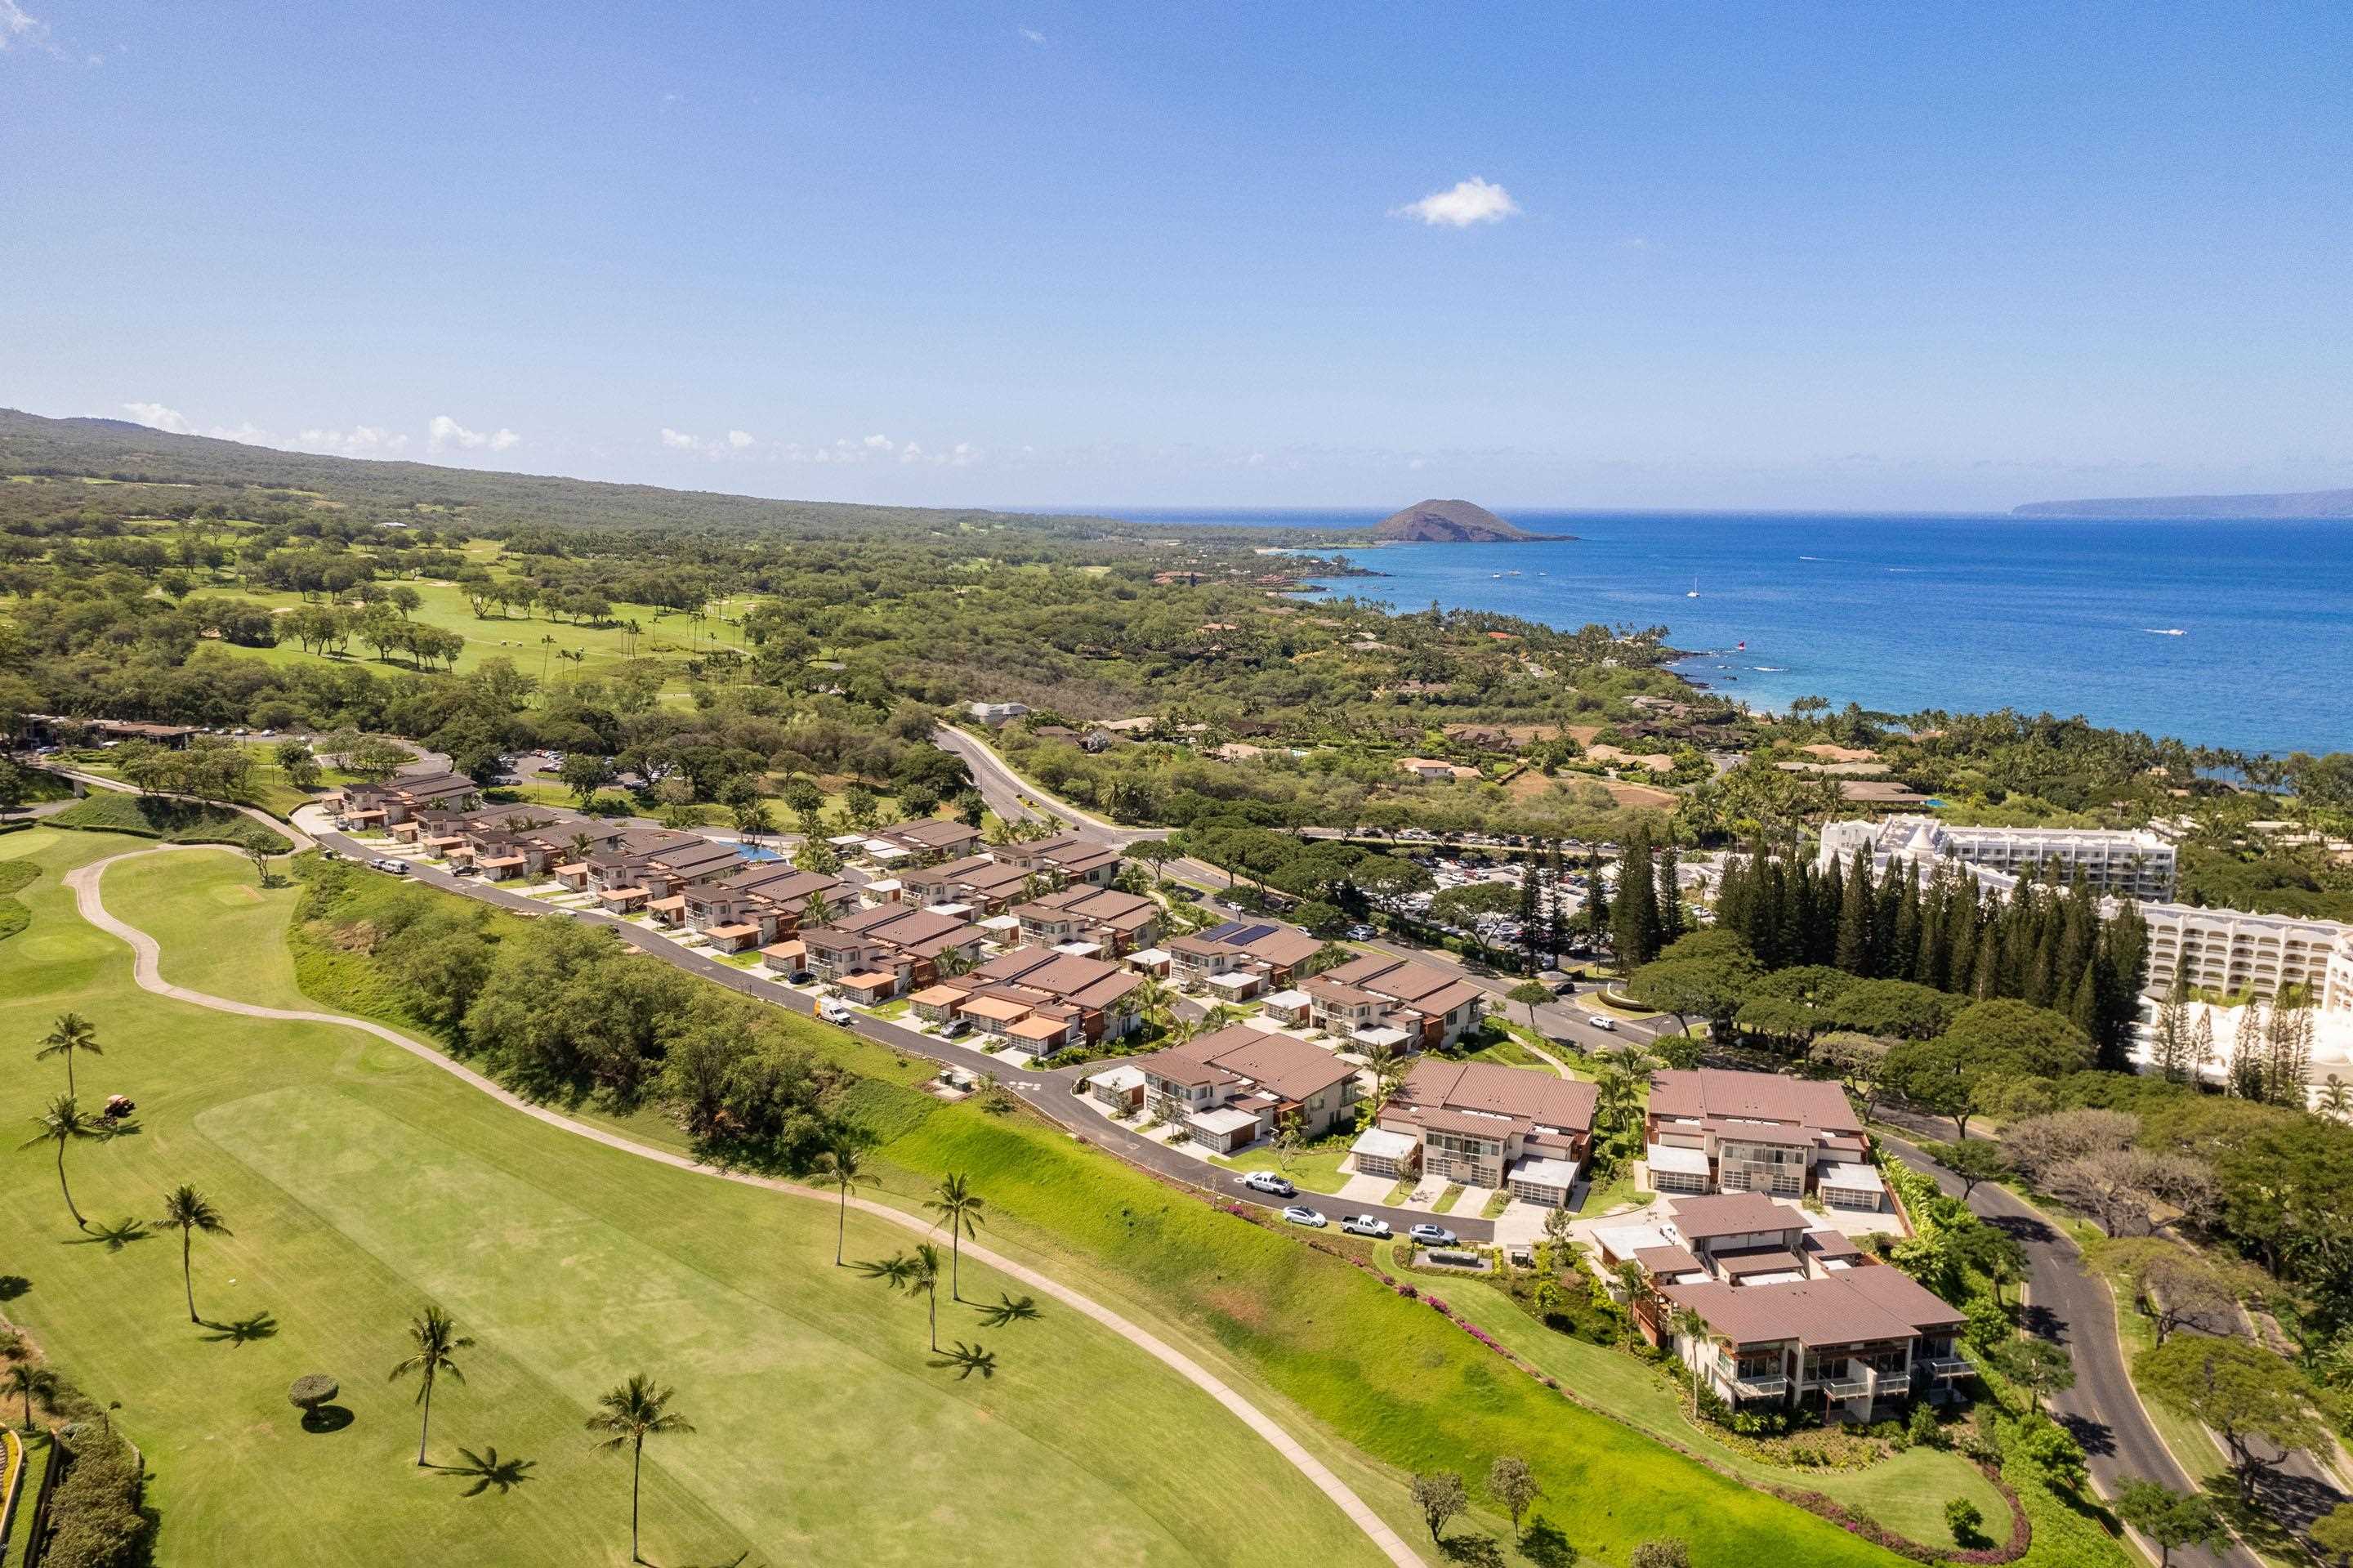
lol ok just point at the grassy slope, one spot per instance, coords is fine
(175, 821)
(359, 1181)
(1907, 1493)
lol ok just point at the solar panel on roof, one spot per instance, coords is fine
(1248, 934)
(1224, 933)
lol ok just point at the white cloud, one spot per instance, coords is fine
(16, 26)
(445, 431)
(1033, 33)
(152, 414)
(680, 441)
(1471, 201)
(359, 442)
(739, 439)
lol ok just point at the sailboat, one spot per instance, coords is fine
(1694, 592)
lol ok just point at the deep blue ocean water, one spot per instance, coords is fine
(1966, 614)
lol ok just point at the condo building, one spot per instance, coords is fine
(2136, 863)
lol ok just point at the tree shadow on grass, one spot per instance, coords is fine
(326, 1417)
(1543, 1544)
(114, 1237)
(487, 1470)
(1473, 1551)
(244, 1330)
(13, 1285)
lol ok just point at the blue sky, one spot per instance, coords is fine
(1065, 255)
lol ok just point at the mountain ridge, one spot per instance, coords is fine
(2277, 506)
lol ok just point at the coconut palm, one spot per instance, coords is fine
(62, 1123)
(25, 1381)
(1152, 999)
(1689, 1325)
(630, 1414)
(191, 1211)
(959, 1208)
(816, 910)
(71, 1033)
(435, 1335)
(839, 1166)
(968, 1360)
(950, 962)
(1008, 1310)
(916, 1273)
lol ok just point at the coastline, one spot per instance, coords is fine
(2132, 626)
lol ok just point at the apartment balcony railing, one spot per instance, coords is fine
(1949, 1366)
(1760, 1387)
(1858, 1386)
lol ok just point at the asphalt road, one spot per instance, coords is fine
(1050, 1091)
(2073, 1308)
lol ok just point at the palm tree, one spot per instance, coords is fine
(1008, 1310)
(25, 1380)
(72, 1032)
(435, 1335)
(2335, 1098)
(630, 1414)
(968, 1360)
(191, 1211)
(61, 1124)
(1689, 1325)
(918, 1274)
(950, 962)
(1152, 997)
(840, 1167)
(958, 1207)
(583, 846)
(816, 910)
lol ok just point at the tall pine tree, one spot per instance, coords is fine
(1637, 921)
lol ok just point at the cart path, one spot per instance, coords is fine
(146, 969)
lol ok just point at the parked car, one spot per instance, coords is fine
(955, 1028)
(1433, 1236)
(1268, 1181)
(799, 977)
(1365, 1225)
(1300, 1214)
(384, 862)
(1602, 1022)
(833, 1010)
(1360, 933)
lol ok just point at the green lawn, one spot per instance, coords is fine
(1316, 1170)
(516, 637)
(360, 1181)
(1449, 1198)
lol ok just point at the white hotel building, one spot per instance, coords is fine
(2226, 950)
(2137, 864)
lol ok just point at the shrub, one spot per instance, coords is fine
(1966, 1520)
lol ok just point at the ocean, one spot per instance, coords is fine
(2226, 634)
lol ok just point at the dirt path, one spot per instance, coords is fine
(147, 971)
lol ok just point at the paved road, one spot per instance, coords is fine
(1050, 1091)
(1004, 790)
(2073, 1309)
(147, 970)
